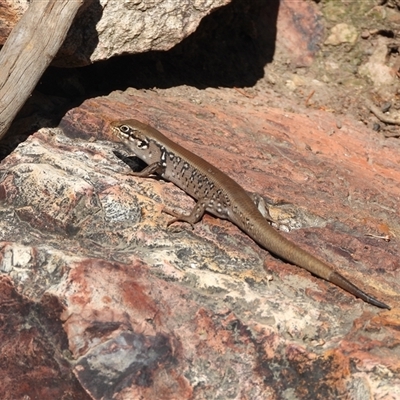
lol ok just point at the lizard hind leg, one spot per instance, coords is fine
(262, 206)
(195, 216)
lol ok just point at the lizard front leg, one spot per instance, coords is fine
(152, 169)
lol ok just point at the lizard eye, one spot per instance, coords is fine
(124, 128)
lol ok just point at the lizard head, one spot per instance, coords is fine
(131, 132)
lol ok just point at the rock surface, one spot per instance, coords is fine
(107, 28)
(99, 299)
(10, 13)
(174, 313)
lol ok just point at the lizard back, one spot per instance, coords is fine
(221, 196)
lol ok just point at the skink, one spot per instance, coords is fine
(219, 195)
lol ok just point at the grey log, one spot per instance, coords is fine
(29, 50)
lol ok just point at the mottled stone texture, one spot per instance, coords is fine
(99, 299)
(142, 310)
(107, 28)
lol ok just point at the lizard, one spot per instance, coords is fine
(217, 194)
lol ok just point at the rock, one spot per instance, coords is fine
(376, 67)
(155, 312)
(108, 28)
(10, 13)
(300, 31)
(342, 33)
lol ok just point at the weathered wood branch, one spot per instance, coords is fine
(29, 50)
